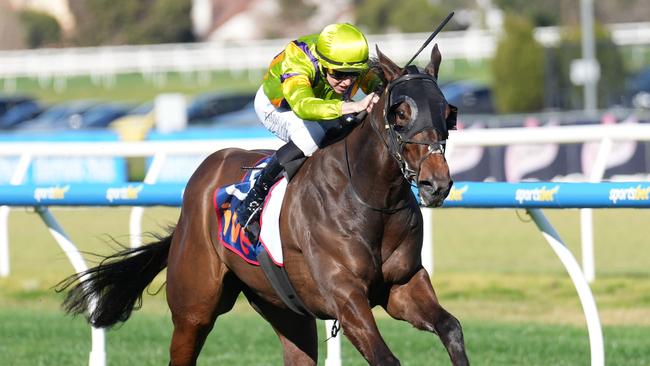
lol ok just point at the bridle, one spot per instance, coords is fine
(396, 139)
(399, 137)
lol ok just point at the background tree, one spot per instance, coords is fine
(541, 13)
(41, 29)
(106, 22)
(380, 16)
(518, 68)
(167, 21)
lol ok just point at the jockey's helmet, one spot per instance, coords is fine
(342, 47)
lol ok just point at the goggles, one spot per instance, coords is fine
(342, 75)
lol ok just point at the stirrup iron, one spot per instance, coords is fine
(253, 215)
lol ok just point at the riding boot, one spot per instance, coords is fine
(290, 157)
(249, 210)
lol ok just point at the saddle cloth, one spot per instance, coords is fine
(230, 233)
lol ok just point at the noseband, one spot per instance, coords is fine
(416, 89)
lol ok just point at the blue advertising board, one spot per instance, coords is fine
(463, 194)
(179, 168)
(54, 170)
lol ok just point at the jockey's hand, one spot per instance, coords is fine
(364, 104)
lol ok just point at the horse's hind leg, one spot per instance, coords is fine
(297, 333)
(416, 303)
(199, 288)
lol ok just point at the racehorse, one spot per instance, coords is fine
(351, 230)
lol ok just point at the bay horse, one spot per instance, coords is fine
(350, 226)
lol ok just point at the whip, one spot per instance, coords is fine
(435, 33)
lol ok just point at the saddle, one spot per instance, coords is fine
(267, 254)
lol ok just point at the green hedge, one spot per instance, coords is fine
(518, 68)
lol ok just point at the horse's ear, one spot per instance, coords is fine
(390, 69)
(434, 65)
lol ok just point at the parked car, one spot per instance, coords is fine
(57, 116)
(9, 101)
(470, 97)
(20, 113)
(637, 87)
(100, 116)
(135, 125)
(205, 107)
(76, 115)
(242, 118)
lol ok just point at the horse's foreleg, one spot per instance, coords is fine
(416, 303)
(360, 327)
(297, 333)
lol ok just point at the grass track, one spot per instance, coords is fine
(242, 338)
(493, 271)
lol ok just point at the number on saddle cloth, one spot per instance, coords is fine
(226, 201)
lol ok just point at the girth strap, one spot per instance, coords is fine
(278, 278)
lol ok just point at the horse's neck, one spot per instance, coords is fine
(374, 172)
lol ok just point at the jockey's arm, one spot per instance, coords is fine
(299, 94)
(298, 73)
(369, 82)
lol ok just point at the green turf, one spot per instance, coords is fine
(242, 338)
(132, 87)
(493, 270)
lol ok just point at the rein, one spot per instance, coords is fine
(356, 194)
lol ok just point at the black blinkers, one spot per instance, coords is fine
(426, 101)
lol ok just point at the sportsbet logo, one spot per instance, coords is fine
(536, 195)
(629, 194)
(50, 193)
(456, 194)
(123, 193)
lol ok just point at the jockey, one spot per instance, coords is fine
(304, 93)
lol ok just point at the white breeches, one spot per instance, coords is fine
(307, 135)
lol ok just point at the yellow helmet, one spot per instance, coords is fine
(342, 47)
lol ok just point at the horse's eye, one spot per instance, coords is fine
(401, 115)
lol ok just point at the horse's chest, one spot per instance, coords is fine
(401, 249)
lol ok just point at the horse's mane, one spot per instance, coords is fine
(375, 68)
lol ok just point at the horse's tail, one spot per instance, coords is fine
(113, 289)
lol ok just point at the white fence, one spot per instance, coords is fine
(606, 135)
(254, 55)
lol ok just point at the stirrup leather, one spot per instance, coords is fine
(253, 213)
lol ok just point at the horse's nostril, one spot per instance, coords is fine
(436, 186)
(425, 183)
